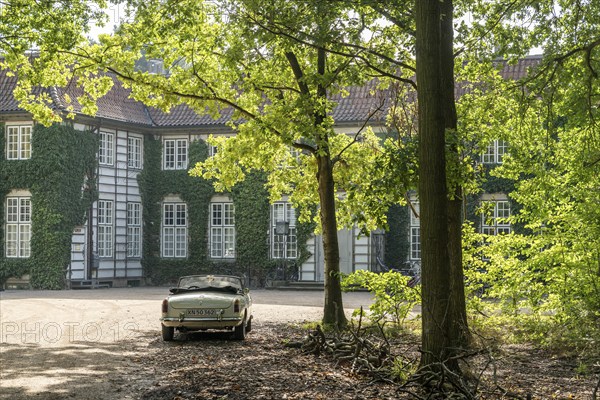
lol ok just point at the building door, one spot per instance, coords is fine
(78, 268)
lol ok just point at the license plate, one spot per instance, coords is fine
(200, 311)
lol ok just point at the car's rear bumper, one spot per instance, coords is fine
(201, 323)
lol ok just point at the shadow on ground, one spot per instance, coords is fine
(75, 371)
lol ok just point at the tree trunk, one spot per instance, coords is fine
(458, 309)
(333, 309)
(435, 260)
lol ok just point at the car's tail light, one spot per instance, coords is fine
(165, 306)
(236, 306)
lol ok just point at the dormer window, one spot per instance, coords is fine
(156, 67)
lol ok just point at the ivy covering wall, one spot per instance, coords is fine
(62, 163)
(492, 184)
(154, 185)
(252, 219)
(397, 240)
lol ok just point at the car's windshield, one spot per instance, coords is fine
(210, 281)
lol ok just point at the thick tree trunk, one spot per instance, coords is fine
(333, 309)
(461, 336)
(436, 339)
(458, 309)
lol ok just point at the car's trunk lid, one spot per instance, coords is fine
(202, 300)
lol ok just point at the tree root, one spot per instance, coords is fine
(367, 351)
(356, 346)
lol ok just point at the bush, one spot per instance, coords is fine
(394, 299)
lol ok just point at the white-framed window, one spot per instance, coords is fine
(284, 243)
(134, 152)
(212, 150)
(105, 228)
(174, 230)
(134, 229)
(222, 230)
(175, 154)
(495, 152)
(18, 227)
(495, 217)
(415, 231)
(106, 153)
(18, 142)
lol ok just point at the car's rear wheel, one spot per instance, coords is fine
(240, 331)
(167, 333)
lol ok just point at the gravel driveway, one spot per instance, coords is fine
(79, 343)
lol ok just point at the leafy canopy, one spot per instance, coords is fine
(261, 70)
(35, 40)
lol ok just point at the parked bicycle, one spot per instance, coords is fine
(412, 269)
(282, 273)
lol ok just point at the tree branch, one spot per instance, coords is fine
(278, 29)
(213, 97)
(338, 157)
(376, 7)
(557, 60)
(297, 70)
(304, 146)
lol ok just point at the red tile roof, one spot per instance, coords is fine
(7, 86)
(360, 103)
(521, 68)
(183, 115)
(116, 105)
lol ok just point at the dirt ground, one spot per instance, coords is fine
(81, 343)
(105, 344)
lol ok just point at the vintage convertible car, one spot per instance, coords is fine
(201, 302)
